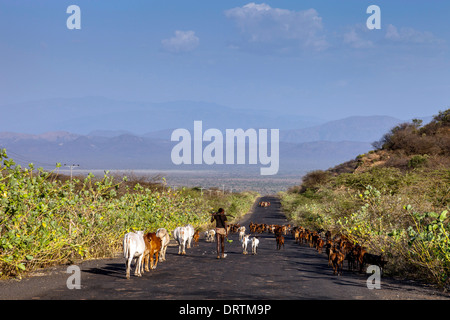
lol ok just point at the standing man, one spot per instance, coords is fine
(221, 231)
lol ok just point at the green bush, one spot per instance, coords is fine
(417, 161)
(387, 180)
(314, 180)
(429, 244)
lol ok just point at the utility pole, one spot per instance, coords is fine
(71, 168)
(201, 191)
(223, 189)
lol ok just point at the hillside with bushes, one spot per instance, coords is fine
(394, 200)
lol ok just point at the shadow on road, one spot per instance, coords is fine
(116, 270)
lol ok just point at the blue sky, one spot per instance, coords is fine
(314, 58)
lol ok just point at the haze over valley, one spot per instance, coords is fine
(105, 137)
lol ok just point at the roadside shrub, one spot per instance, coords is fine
(429, 244)
(314, 179)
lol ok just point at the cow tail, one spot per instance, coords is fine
(126, 247)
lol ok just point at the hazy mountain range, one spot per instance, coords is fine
(99, 133)
(85, 115)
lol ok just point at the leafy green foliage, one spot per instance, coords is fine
(429, 244)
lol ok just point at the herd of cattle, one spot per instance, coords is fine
(144, 247)
(153, 245)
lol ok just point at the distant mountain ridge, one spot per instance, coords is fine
(85, 115)
(119, 149)
(356, 128)
(52, 136)
(103, 133)
(134, 152)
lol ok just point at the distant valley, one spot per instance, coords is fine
(99, 133)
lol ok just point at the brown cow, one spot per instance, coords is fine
(152, 247)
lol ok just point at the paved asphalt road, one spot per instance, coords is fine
(295, 272)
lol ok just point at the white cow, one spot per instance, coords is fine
(183, 236)
(255, 243)
(244, 241)
(164, 236)
(191, 232)
(133, 248)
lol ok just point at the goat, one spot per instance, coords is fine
(244, 241)
(319, 245)
(252, 227)
(373, 259)
(241, 233)
(337, 259)
(296, 233)
(280, 241)
(255, 243)
(196, 237)
(210, 235)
